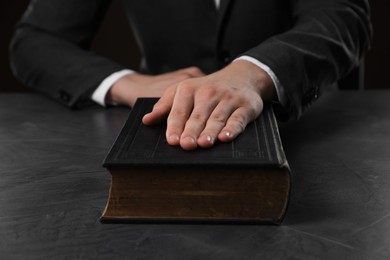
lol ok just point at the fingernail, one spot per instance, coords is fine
(227, 134)
(189, 139)
(174, 138)
(209, 139)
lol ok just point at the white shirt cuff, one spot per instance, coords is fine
(279, 88)
(99, 95)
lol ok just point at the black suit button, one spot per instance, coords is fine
(224, 57)
(316, 91)
(311, 95)
(64, 96)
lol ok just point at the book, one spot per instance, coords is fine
(243, 181)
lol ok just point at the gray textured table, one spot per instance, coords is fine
(53, 188)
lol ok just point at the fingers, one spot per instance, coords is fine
(213, 125)
(223, 125)
(180, 75)
(186, 122)
(164, 105)
(192, 71)
(161, 109)
(236, 124)
(182, 106)
(201, 116)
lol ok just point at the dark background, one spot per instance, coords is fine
(121, 47)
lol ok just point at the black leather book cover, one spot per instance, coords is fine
(138, 144)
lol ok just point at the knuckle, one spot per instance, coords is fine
(177, 117)
(252, 109)
(218, 118)
(228, 96)
(179, 113)
(208, 92)
(252, 114)
(238, 123)
(186, 84)
(198, 118)
(185, 88)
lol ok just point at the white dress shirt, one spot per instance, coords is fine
(99, 95)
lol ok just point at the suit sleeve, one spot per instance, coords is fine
(327, 41)
(50, 49)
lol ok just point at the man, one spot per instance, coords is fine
(212, 63)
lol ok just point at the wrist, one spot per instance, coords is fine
(122, 91)
(100, 93)
(258, 78)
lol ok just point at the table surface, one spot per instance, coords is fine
(53, 188)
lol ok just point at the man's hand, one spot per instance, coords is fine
(214, 107)
(126, 90)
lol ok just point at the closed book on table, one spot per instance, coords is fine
(246, 180)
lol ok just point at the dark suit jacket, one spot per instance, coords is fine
(307, 43)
